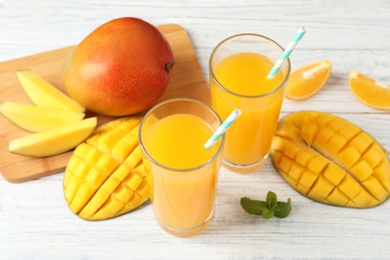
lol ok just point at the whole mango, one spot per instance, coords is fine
(121, 68)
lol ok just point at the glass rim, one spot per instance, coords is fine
(220, 148)
(241, 95)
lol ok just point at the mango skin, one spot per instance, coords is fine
(331, 160)
(121, 68)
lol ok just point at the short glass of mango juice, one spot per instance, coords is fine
(182, 175)
(239, 67)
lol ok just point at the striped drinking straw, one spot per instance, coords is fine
(289, 49)
(222, 129)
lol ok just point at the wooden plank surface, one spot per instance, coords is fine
(187, 81)
(35, 222)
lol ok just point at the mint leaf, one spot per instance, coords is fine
(283, 209)
(272, 200)
(268, 213)
(254, 207)
(267, 209)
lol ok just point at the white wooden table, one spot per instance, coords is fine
(35, 221)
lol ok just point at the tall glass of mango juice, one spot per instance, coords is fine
(182, 175)
(239, 66)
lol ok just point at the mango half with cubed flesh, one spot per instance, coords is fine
(331, 160)
(105, 176)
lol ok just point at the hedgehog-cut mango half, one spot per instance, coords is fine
(331, 160)
(105, 176)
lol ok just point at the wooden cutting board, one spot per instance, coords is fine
(187, 81)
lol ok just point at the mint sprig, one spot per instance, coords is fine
(269, 208)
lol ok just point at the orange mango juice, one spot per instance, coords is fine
(240, 81)
(185, 175)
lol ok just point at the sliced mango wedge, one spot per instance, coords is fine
(37, 119)
(44, 94)
(54, 142)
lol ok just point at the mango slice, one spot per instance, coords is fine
(37, 119)
(44, 94)
(53, 142)
(331, 160)
(105, 176)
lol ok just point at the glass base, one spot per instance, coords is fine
(244, 168)
(186, 232)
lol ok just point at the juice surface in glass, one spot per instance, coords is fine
(184, 188)
(177, 141)
(243, 77)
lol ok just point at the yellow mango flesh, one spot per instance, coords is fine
(53, 142)
(105, 176)
(44, 94)
(37, 119)
(331, 160)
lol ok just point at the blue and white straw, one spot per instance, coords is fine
(289, 49)
(222, 129)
